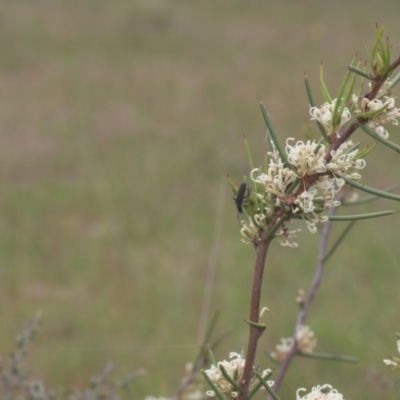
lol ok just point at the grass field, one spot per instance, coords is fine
(119, 122)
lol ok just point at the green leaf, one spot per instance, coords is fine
(394, 81)
(349, 93)
(338, 241)
(379, 138)
(325, 92)
(339, 107)
(368, 199)
(326, 356)
(370, 190)
(387, 55)
(274, 138)
(358, 71)
(234, 188)
(354, 147)
(248, 151)
(373, 113)
(270, 234)
(229, 379)
(312, 104)
(257, 387)
(266, 163)
(377, 44)
(357, 217)
(364, 152)
(206, 339)
(308, 90)
(265, 384)
(213, 387)
(293, 186)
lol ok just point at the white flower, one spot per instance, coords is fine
(389, 111)
(324, 116)
(252, 227)
(234, 369)
(324, 392)
(391, 363)
(394, 361)
(282, 349)
(344, 158)
(305, 158)
(306, 340)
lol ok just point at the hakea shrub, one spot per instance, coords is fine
(308, 181)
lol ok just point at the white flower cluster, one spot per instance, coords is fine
(324, 392)
(234, 369)
(324, 115)
(282, 182)
(387, 105)
(306, 342)
(394, 361)
(286, 185)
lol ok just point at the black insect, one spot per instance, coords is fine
(240, 197)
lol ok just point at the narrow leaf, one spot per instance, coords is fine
(267, 387)
(256, 324)
(325, 93)
(220, 339)
(357, 217)
(308, 90)
(379, 138)
(373, 113)
(379, 32)
(270, 235)
(364, 152)
(337, 115)
(248, 151)
(207, 337)
(394, 81)
(257, 387)
(350, 92)
(213, 387)
(387, 55)
(326, 356)
(234, 188)
(212, 358)
(274, 138)
(354, 147)
(312, 104)
(293, 186)
(358, 71)
(229, 379)
(368, 189)
(266, 163)
(368, 199)
(339, 240)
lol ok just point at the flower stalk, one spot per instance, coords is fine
(254, 332)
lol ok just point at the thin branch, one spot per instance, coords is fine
(255, 332)
(283, 368)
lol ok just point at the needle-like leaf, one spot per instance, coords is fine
(357, 217)
(213, 387)
(273, 136)
(380, 139)
(338, 241)
(370, 190)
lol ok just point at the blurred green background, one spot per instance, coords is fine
(119, 122)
